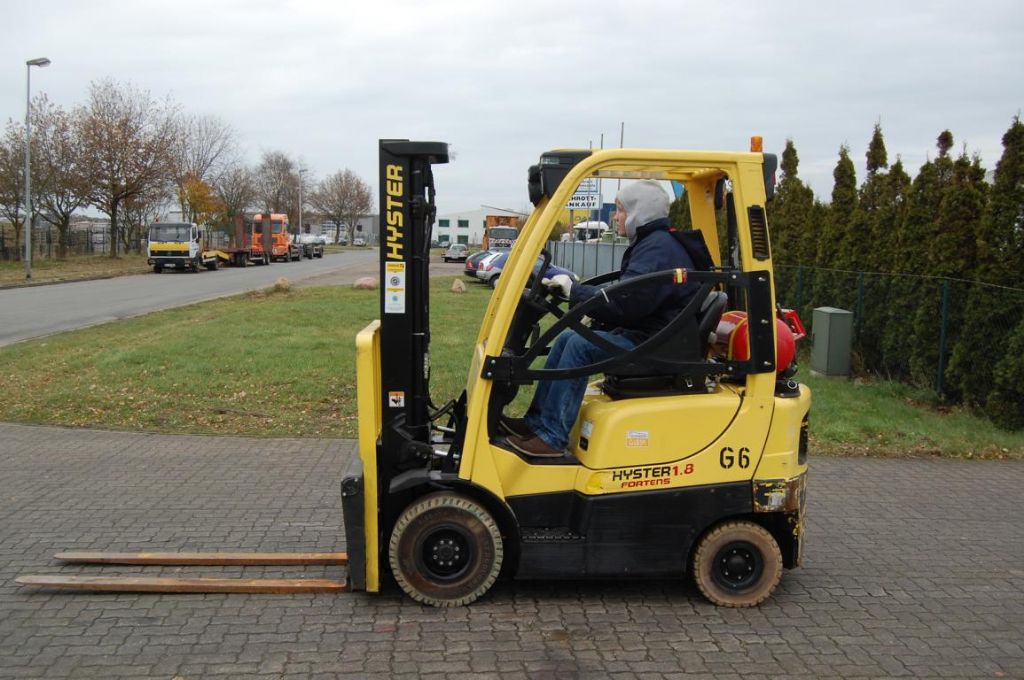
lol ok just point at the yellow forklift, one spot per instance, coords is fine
(681, 461)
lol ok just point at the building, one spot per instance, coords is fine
(466, 226)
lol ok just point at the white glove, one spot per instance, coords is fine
(560, 283)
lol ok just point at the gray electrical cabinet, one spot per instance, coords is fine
(831, 341)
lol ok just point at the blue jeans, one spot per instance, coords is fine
(556, 403)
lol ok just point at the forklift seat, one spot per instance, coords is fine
(691, 343)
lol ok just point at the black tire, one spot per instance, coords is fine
(446, 260)
(493, 282)
(445, 550)
(157, 268)
(212, 265)
(737, 564)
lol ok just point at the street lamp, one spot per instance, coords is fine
(301, 172)
(40, 62)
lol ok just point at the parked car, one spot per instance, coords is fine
(457, 252)
(359, 241)
(489, 270)
(473, 261)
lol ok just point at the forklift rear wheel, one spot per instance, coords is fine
(737, 564)
(445, 550)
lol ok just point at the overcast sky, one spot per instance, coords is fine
(503, 81)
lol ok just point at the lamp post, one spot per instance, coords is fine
(301, 172)
(40, 62)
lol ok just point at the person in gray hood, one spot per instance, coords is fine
(626, 320)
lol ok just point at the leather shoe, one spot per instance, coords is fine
(534, 446)
(516, 426)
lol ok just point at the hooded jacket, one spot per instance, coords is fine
(643, 311)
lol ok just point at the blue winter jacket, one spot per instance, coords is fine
(643, 311)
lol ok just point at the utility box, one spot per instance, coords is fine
(831, 341)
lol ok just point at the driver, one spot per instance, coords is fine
(626, 320)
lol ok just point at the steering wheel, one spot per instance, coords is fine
(549, 299)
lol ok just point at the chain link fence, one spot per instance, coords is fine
(963, 340)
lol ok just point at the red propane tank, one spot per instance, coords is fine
(732, 340)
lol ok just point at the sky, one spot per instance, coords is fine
(502, 82)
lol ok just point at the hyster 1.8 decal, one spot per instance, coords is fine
(659, 475)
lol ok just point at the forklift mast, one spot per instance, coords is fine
(407, 214)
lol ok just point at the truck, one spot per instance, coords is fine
(311, 245)
(282, 242)
(181, 245)
(500, 231)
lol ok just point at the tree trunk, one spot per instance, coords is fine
(112, 211)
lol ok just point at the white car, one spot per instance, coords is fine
(359, 241)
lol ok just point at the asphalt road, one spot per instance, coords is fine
(37, 311)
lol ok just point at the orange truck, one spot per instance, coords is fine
(500, 231)
(282, 242)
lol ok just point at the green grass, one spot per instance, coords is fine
(72, 268)
(283, 364)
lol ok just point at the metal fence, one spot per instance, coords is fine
(924, 330)
(89, 241)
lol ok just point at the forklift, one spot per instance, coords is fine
(681, 461)
(685, 459)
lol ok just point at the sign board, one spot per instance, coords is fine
(587, 186)
(583, 202)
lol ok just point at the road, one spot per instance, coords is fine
(913, 568)
(37, 311)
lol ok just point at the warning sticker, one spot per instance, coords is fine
(638, 438)
(396, 399)
(394, 288)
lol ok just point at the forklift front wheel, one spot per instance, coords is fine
(737, 564)
(445, 550)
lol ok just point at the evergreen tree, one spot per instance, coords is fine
(1005, 403)
(679, 212)
(951, 254)
(866, 249)
(992, 313)
(834, 245)
(792, 228)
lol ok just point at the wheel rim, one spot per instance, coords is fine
(738, 566)
(445, 553)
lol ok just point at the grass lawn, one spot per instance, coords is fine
(47, 270)
(283, 364)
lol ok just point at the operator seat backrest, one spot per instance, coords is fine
(710, 314)
(691, 343)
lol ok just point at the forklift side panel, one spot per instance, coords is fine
(627, 534)
(651, 430)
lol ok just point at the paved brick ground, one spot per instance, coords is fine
(914, 568)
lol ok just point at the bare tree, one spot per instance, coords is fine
(12, 179)
(138, 211)
(276, 182)
(57, 167)
(127, 139)
(343, 198)
(203, 147)
(235, 187)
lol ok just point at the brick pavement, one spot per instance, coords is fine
(913, 568)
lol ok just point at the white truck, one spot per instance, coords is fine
(181, 245)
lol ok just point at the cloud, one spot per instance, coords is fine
(503, 82)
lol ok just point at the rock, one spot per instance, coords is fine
(282, 285)
(458, 286)
(365, 283)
